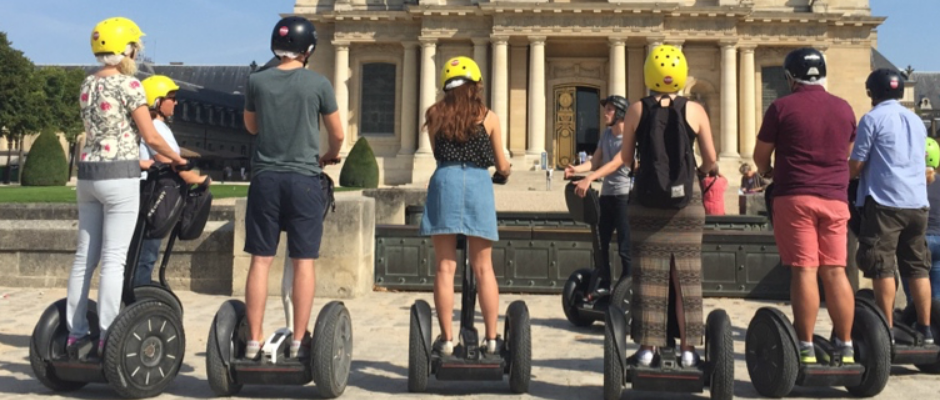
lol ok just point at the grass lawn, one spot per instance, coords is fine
(66, 194)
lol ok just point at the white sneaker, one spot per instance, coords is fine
(689, 359)
(489, 346)
(644, 357)
(252, 350)
(444, 347)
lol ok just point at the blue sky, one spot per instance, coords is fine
(235, 32)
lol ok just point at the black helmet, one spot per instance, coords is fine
(294, 34)
(620, 104)
(805, 64)
(885, 84)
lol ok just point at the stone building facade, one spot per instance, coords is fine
(548, 63)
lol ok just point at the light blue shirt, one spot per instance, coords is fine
(892, 142)
(146, 153)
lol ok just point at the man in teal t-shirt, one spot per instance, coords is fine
(283, 105)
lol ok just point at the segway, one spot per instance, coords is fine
(908, 347)
(583, 299)
(666, 373)
(327, 364)
(773, 362)
(468, 361)
(145, 344)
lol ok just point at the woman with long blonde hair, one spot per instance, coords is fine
(466, 140)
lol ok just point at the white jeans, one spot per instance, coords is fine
(107, 216)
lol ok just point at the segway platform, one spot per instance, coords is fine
(772, 354)
(583, 300)
(666, 373)
(469, 362)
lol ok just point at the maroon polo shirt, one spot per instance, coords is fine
(812, 131)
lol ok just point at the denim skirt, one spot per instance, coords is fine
(460, 201)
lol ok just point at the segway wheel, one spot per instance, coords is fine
(910, 317)
(332, 349)
(571, 296)
(719, 352)
(623, 297)
(144, 350)
(48, 342)
(419, 340)
(613, 368)
(872, 349)
(519, 340)
(772, 360)
(161, 294)
(227, 319)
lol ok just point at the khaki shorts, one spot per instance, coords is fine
(893, 239)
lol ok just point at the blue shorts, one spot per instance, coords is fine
(285, 201)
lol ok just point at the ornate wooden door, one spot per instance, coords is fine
(565, 130)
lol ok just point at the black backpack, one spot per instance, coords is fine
(666, 173)
(161, 201)
(196, 208)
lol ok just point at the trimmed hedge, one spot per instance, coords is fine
(360, 170)
(46, 164)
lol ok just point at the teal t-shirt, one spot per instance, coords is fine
(287, 106)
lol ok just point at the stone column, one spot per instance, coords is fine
(409, 99)
(636, 87)
(428, 90)
(729, 100)
(748, 102)
(651, 43)
(479, 55)
(500, 88)
(617, 81)
(341, 81)
(536, 96)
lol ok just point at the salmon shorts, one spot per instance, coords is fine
(811, 231)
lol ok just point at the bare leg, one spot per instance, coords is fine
(920, 290)
(884, 295)
(840, 300)
(445, 251)
(256, 294)
(481, 260)
(804, 296)
(304, 287)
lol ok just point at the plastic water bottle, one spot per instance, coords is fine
(582, 157)
(544, 161)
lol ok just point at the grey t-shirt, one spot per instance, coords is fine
(618, 182)
(288, 105)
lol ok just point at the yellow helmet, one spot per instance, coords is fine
(666, 69)
(112, 35)
(157, 87)
(459, 67)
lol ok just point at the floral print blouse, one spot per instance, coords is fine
(111, 138)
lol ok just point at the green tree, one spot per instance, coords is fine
(46, 165)
(22, 101)
(61, 87)
(360, 169)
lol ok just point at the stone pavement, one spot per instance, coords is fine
(567, 361)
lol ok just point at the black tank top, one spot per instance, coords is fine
(478, 149)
